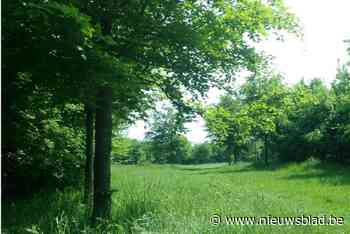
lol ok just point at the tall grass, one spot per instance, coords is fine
(181, 199)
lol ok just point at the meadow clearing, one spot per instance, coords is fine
(182, 198)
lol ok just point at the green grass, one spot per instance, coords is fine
(181, 199)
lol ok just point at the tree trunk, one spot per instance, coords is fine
(235, 156)
(89, 182)
(255, 151)
(228, 156)
(266, 152)
(102, 162)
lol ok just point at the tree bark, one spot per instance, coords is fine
(102, 162)
(89, 182)
(255, 151)
(228, 156)
(266, 152)
(235, 156)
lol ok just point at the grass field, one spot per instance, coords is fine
(181, 199)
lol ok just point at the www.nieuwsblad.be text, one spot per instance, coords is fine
(217, 219)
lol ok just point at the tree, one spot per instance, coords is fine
(183, 32)
(44, 43)
(137, 154)
(229, 125)
(168, 145)
(339, 126)
(102, 164)
(129, 151)
(265, 96)
(89, 183)
(301, 134)
(202, 153)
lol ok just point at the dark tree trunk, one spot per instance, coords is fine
(89, 166)
(231, 155)
(255, 151)
(228, 156)
(102, 162)
(266, 151)
(235, 157)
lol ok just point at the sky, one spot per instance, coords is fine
(316, 55)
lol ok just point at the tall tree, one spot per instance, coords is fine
(339, 125)
(172, 42)
(165, 134)
(265, 96)
(41, 78)
(102, 172)
(89, 148)
(229, 124)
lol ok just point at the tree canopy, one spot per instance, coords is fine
(115, 58)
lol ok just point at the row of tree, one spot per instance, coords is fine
(294, 123)
(264, 119)
(180, 151)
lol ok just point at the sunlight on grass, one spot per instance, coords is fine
(181, 199)
(184, 197)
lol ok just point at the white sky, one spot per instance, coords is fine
(325, 27)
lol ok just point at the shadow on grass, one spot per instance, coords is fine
(334, 174)
(204, 169)
(44, 212)
(198, 167)
(328, 173)
(235, 168)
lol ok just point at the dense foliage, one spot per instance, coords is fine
(42, 141)
(295, 123)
